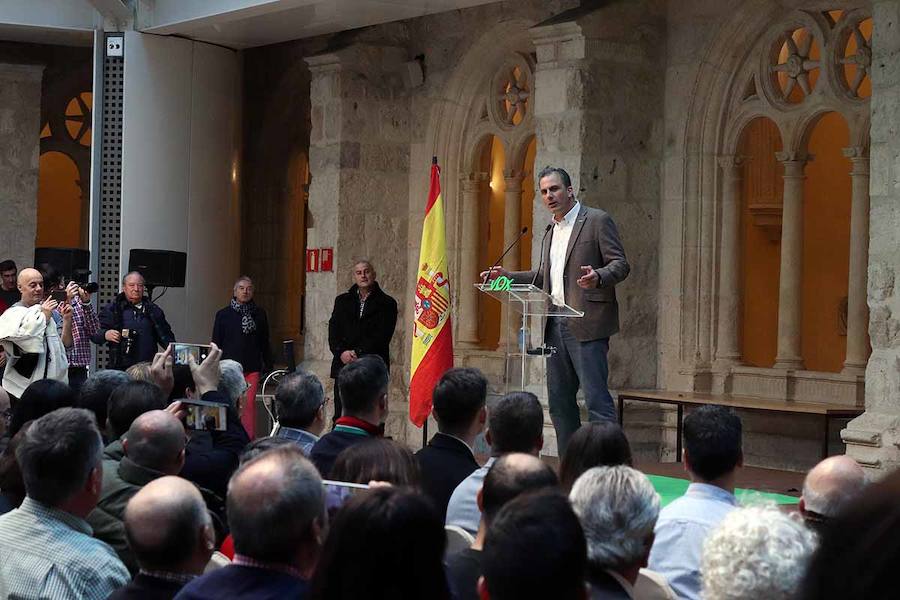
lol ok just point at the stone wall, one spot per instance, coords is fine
(873, 439)
(20, 126)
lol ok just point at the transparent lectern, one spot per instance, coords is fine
(534, 305)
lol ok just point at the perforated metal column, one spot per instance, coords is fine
(110, 183)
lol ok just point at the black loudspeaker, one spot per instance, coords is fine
(71, 264)
(160, 268)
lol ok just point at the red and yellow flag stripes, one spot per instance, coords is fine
(432, 346)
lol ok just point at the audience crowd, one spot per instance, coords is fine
(105, 493)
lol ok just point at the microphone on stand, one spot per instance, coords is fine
(505, 252)
(541, 263)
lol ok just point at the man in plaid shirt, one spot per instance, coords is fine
(84, 324)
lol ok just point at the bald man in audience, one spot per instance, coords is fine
(829, 487)
(154, 447)
(276, 510)
(171, 536)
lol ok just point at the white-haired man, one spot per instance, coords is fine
(756, 552)
(618, 509)
(241, 330)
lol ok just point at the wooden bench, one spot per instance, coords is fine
(682, 399)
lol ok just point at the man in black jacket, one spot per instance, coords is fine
(362, 322)
(459, 408)
(132, 326)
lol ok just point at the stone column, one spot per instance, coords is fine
(873, 439)
(467, 333)
(857, 311)
(789, 292)
(512, 229)
(728, 350)
(512, 217)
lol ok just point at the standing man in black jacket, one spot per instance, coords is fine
(362, 322)
(132, 325)
(241, 330)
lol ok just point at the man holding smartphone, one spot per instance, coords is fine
(132, 325)
(35, 348)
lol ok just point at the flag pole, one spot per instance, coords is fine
(425, 425)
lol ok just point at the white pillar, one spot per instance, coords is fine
(467, 334)
(790, 280)
(857, 310)
(728, 351)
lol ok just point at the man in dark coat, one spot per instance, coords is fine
(459, 408)
(133, 313)
(361, 323)
(241, 330)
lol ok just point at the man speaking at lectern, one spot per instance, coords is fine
(580, 266)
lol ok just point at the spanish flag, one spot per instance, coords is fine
(432, 346)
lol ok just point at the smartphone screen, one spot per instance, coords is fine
(204, 416)
(183, 351)
(338, 492)
(59, 295)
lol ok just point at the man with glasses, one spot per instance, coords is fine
(132, 326)
(300, 409)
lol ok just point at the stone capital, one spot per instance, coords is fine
(473, 182)
(558, 42)
(859, 159)
(358, 58)
(731, 164)
(794, 156)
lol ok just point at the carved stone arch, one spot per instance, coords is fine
(518, 149)
(802, 128)
(739, 123)
(479, 137)
(455, 129)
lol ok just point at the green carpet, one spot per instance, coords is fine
(670, 488)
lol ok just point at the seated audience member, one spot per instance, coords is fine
(40, 398)
(252, 450)
(535, 548)
(234, 387)
(829, 487)
(385, 544)
(126, 403)
(96, 390)
(154, 447)
(458, 402)
(276, 510)
(12, 485)
(756, 552)
(170, 534)
(515, 424)
(46, 544)
(377, 459)
(140, 371)
(182, 383)
(594, 444)
(364, 386)
(712, 454)
(510, 476)
(300, 409)
(211, 458)
(859, 549)
(618, 508)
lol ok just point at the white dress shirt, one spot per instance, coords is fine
(562, 231)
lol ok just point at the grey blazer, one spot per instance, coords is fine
(594, 241)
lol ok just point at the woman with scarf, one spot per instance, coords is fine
(241, 330)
